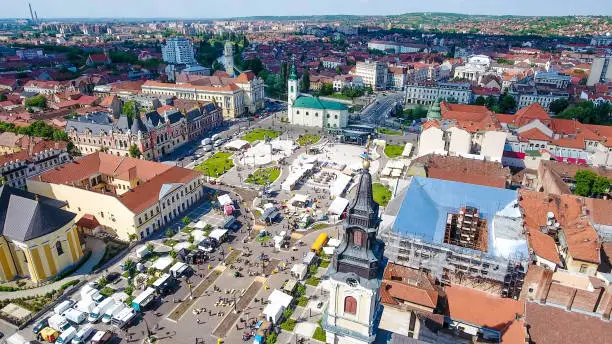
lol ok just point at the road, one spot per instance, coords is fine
(379, 110)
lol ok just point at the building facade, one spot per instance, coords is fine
(312, 111)
(428, 94)
(154, 134)
(601, 71)
(373, 74)
(39, 238)
(32, 160)
(178, 50)
(130, 198)
(235, 96)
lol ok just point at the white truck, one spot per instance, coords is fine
(98, 311)
(58, 322)
(85, 305)
(66, 336)
(75, 316)
(178, 269)
(215, 137)
(17, 339)
(207, 141)
(123, 318)
(114, 310)
(83, 334)
(63, 306)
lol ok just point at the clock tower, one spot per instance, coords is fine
(353, 313)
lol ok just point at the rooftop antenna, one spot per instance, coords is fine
(31, 13)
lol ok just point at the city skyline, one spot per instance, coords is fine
(195, 9)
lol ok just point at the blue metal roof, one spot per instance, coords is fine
(428, 201)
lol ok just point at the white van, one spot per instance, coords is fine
(207, 148)
(108, 315)
(58, 323)
(75, 316)
(66, 336)
(63, 306)
(98, 311)
(215, 137)
(83, 334)
(207, 141)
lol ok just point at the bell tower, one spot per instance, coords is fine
(353, 313)
(292, 90)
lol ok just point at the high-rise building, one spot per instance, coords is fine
(373, 73)
(178, 50)
(601, 71)
(354, 309)
(228, 55)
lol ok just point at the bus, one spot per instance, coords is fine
(141, 301)
(317, 246)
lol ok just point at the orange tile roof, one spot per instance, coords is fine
(554, 325)
(152, 176)
(534, 134)
(582, 240)
(431, 123)
(411, 285)
(410, 293)
(245, 77)
(600, 210)
(107, 101)
(481, 309)
(470, 117)
(543, 245)
(224, 88)
(147, 193)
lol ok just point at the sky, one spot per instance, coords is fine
(241, 8)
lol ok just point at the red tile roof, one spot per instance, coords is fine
(544, 246)
(553, 325)
(481, 309)
(152, 176)
(534, 134)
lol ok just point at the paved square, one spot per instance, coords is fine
(305, 329)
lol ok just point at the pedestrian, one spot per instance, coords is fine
(198, 320)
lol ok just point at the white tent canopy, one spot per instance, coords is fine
(273, 312)
(162, 263)
(407, 149)
(339, 185)
(224, 199)
(338, 206)
(236, 144)
(281, 298)
(217, 234)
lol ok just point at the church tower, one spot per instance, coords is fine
(354, 310)
(293, 90)
(228, 56)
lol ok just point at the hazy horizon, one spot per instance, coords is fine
(194, 9)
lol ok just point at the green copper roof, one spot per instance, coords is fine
(434, 111)
(293, 73)
(316, 103)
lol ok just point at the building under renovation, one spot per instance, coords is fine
(461, 233)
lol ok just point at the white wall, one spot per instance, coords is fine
(492, 147)
(460, 141)
(431, 141)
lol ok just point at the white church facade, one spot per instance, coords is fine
(310, 111)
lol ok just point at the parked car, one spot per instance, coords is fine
(40, 325)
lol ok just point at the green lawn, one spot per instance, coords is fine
(339, 96)
(387, 131)
(288, 325)
(381, 194)
(319, 334)
(313, 281)
(216, 165)
(264, 176)
(302, 301)
(393, 151)
(308, 139)
(259, 134)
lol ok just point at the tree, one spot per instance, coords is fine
(132, 237)
(558, 105)
(601, 186)
(338, 70)
(507, 103)
(305, 83)
(134, 151)
(169, 233)
(255, 65)
(480, 100)
(584, 182)
(36, 101)
(3, 97)
(326, 89)
(129, 109)
(186, 220)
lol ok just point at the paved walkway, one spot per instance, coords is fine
(97, 252)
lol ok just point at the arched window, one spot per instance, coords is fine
(350, 305)
(58, 248)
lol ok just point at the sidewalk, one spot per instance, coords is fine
(97, 252)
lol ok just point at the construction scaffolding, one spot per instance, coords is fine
(467, 229)
(452, 264)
